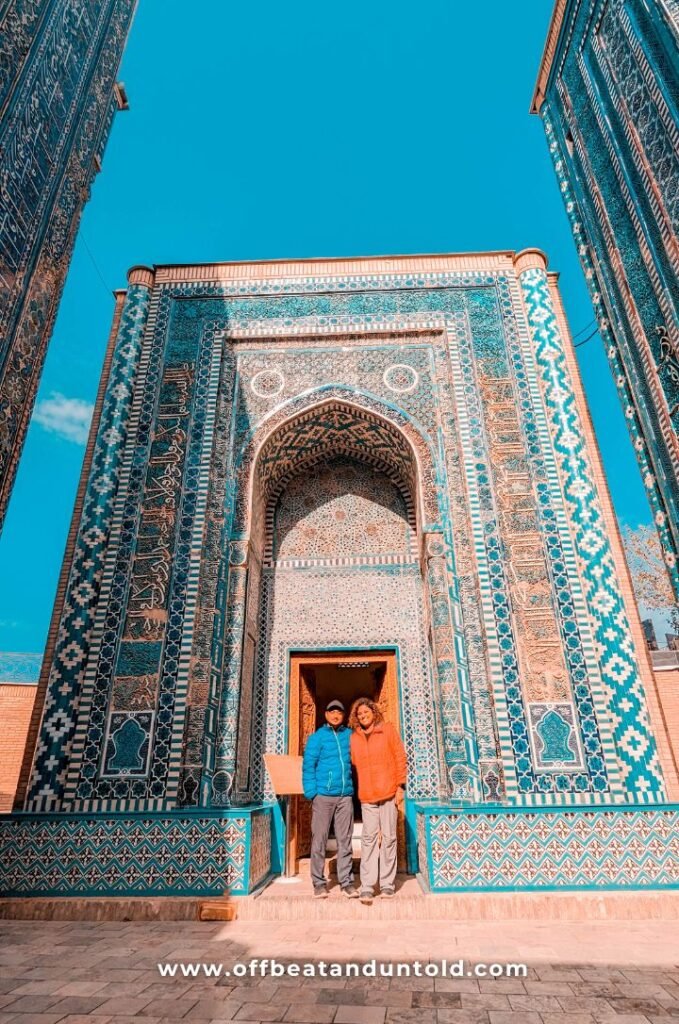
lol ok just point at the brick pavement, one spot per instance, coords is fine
(106, 973)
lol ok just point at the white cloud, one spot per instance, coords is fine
(68, 417)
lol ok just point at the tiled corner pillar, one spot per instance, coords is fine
(85, 575)
(219, 777)
(632, 732)
(455, 716)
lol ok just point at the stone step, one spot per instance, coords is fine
(291, 900)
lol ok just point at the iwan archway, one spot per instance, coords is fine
(338, 498)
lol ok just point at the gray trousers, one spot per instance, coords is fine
(378, 859)
(323, 810)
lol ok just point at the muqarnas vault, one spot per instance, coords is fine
(351, 476)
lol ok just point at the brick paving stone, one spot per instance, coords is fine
(484, 1001)
(310, 1013)
(360, 1014)
(420, 1016)
(389, 998)
(466, 1016)
(78, 1005)
(81, 988)
(244, 994)
(134, 1020)
(37, 1018)
(168, 1007)
(522, 1017)
(121, 988)
(624, 1004)
(626, 1018)
(307, 994)
(120, 1006)
(445, 1000)
(342, 997)
(207, 1009)
(171, 988)
(32, 1004)
(261, 1012)
(541, 1004)
(549, 988)
(456, 985)
(503, 986)
(643, 990)
(567, 1018)
(38, 988)
(585, 1004)
(595, 988)
(413, 984)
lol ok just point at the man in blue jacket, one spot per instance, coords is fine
(326, 776)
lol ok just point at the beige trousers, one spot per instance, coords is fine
(378, 858)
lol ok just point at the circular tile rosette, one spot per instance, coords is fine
(267, 383)
(401, 378)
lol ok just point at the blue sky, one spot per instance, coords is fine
(269, 130)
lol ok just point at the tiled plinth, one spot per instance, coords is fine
(182, 853)
(503, 848)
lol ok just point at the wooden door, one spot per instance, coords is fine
(303, 721)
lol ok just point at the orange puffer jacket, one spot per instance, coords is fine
(380, 760)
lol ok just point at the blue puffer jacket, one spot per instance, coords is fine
(326, 769)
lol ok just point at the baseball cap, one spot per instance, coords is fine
(335, 705)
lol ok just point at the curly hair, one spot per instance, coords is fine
(353, 718)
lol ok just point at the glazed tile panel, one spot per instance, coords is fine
(151, 855)
(610, 115)
(592, 848)
(83, 588)
(634, 739)
(58, 62)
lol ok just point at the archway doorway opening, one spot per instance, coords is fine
(315, 678)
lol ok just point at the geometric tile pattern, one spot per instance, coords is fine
(59, 62)
(535, 623)
(82, 593)
(602, 848)
(632, 731)
(617, 358)
(610, 117)
(341, 511)
(142, 636)
(179, 854)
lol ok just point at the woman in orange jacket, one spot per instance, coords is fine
(380, 761)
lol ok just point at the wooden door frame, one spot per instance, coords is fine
(298, 659)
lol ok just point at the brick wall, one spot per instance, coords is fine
(16, 705)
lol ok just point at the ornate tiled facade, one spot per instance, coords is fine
(606, 94)
(58, 62)
(326, 457)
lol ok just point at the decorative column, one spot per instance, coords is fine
(632, 732)
(221, 762)
(82, 588)
(456, 716)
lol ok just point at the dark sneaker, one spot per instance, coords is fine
(366, 896)
(321, 893)
(350, 891)
(387, 894)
